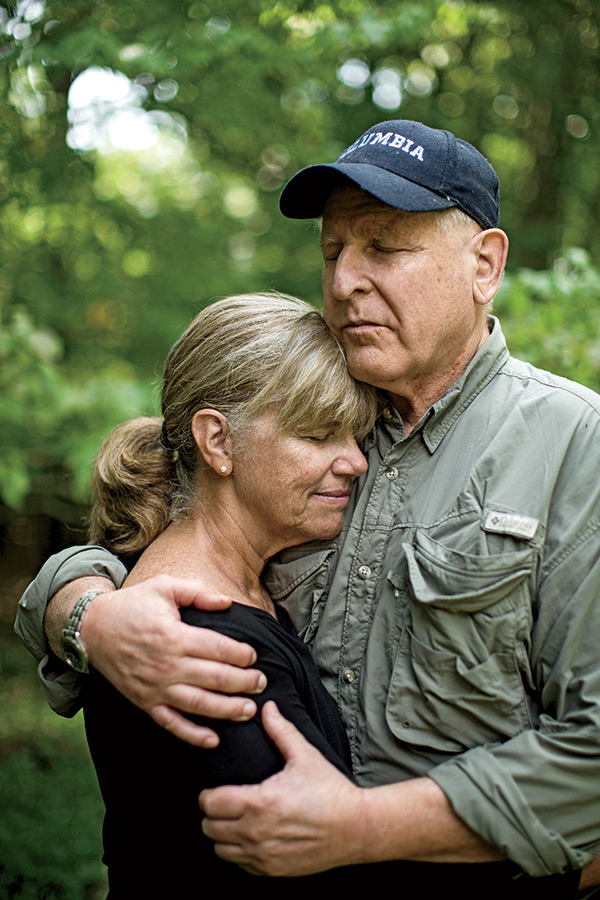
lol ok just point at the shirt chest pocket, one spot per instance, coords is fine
(461, 666)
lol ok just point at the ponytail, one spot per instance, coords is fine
(133, 482)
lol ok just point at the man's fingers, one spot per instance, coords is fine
(167, 667)
(234, 854)
(196, 701)
(204, 643)
(283, 733)
(210, 675)
(188, 592)
(197, 735)
(223, 805)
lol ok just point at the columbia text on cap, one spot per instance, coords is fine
(406, 165)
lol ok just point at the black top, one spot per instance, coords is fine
(150, 780)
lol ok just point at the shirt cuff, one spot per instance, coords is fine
(61, 684)
(490, 802)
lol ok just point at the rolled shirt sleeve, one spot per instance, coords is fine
(535, 796)
(61, 685)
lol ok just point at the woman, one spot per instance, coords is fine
(256, 452)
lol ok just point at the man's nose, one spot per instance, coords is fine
(349, 274)
(351, 460)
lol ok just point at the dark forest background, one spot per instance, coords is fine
(143, 146)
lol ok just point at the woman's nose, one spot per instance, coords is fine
(350, 461)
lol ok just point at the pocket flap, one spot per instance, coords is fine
(460, 582)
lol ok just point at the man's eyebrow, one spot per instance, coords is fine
(325, 238)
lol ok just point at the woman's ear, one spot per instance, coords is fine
(210, 430)
(491, 248)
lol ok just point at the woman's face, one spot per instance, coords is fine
(295, 488)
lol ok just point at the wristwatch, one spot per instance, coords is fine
(73, 649)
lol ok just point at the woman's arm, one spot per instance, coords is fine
(293, 683)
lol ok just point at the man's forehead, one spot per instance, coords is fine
(350, 203)
(349, 197)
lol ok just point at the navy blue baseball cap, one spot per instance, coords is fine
(406, 165)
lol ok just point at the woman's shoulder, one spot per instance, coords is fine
(247, 623)
(279, 650)
(239, 614)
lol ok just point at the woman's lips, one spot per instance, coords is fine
(339, 496)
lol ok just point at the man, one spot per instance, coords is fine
(454, 618)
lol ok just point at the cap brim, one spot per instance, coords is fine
(305, 195)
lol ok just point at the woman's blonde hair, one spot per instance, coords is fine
(243, 356)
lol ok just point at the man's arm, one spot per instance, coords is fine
(310, 818)
(61, 604)
(533, 797)
(136, 638)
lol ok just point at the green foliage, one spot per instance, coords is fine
(552, 319)
(107, 251)
(52, 424)
(50, 827)
(38, 785)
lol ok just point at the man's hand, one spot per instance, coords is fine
(293, 823)
(309, 817)
(137, 640)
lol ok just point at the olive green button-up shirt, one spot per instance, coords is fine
(456, 618)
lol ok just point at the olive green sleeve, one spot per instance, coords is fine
(535, 796)
(60, 684)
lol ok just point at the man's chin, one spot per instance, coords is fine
(365, 364)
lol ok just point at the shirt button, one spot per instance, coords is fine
(392, 474)
(364, 572)
(348, 676)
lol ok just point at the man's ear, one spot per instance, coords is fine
(210, 430)
(491, 248)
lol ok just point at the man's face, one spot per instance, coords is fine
(398, 293)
